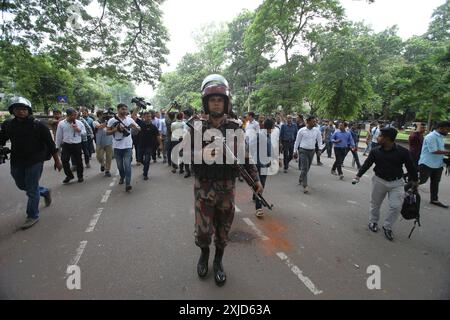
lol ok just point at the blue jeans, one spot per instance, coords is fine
(146, 156)
(27, 179)
(123, 159)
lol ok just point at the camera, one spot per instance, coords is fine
(107, 115)
(176, 105)
(4, 151)
(140, 102)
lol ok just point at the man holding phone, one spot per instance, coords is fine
(68, 138)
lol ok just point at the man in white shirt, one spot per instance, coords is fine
(122, 142)
(163, 131)
(305, 142)
(252, 127)
(375, 133)
(68, 140)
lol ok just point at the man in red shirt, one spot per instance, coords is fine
(416, 141)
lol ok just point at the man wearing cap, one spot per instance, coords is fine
(389, 159)
(31, 145)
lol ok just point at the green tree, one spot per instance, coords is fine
(128, 39)
(285, 23)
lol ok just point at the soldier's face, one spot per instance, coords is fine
(20, 112)
(216, 104)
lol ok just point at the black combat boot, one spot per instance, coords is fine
(202, 265)
(219, 274)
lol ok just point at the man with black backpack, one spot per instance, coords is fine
(31, 145)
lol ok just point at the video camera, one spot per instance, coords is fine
(140, 102)
(4, 151)
(107, 114)
(176, 105)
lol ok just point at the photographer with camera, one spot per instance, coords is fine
(31, 145)
(104, 142)
(120, 128)
(149, 138)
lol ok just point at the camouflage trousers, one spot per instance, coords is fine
(214, 211)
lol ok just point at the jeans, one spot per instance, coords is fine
(340, 157)
(27, 179)
(123, 159)
(147, 153)
(434, 175)
(288, 153)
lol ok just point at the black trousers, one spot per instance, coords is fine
(288, 152)
(434, 175)
(340, 157)
(72, 151)
(317, 151)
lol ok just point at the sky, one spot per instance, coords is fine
(183, 17)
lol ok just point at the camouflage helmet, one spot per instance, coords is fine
(212, 85)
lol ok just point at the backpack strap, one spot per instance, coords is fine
(416, 222)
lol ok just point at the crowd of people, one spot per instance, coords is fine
(113, 134)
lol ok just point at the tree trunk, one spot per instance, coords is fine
(430, 114)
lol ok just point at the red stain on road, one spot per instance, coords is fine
(269, 225)
(275, 231)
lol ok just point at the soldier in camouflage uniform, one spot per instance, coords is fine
(215, 183)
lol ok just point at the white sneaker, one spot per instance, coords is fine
(306, 189)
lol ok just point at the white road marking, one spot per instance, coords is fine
(354, 172)
(106, 196)
(111, 184)
(255, 228)
(299, 273)
(352, 202)
(237, 209)
(94, 220)
(80, 251)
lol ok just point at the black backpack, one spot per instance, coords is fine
(411, 207)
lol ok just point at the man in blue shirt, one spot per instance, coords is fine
(342, 140)
(288, 133)
(431, 163)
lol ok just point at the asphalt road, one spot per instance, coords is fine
(141, 245)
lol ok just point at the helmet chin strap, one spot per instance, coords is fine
(216, 114)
